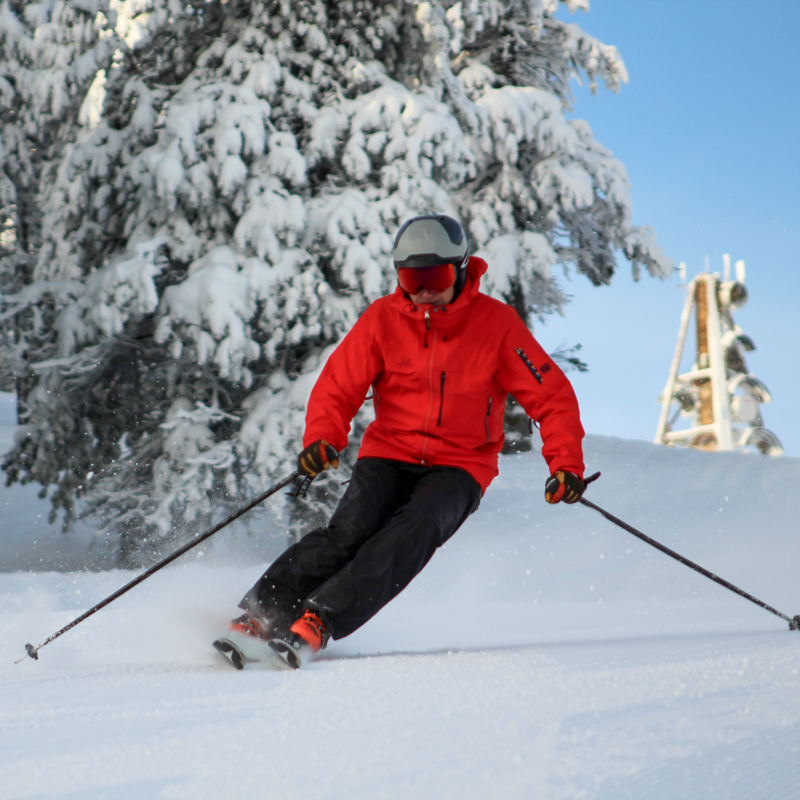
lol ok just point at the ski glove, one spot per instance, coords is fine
(562, 485)
(317, 457)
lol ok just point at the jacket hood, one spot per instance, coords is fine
(476, 267)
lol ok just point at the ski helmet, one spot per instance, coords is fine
(430, 241)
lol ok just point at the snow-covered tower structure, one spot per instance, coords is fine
(719, 397)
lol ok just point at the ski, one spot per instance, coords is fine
(274, 653)
(231, 652)
(291, 656)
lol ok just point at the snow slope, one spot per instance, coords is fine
(544, 653)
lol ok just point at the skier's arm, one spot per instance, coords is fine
(542, 389)
(342, 386)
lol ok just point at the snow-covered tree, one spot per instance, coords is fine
(50, 54)
(223, 210)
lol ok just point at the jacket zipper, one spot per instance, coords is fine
(488, 414)
(430, 381)
(441, 399)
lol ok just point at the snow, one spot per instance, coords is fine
(544, 653)
(92, 107)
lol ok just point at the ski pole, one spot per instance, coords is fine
(794, 622)
(33, 652)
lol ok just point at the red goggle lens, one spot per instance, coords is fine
(435, 279)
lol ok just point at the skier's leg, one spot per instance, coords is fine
(376, 489)
(384, 565)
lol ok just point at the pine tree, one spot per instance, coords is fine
(50, 55)
(222, 212)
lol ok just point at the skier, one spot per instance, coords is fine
(440, 358)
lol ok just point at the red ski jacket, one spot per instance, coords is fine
(440, 376)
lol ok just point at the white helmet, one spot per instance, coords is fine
(431, 240)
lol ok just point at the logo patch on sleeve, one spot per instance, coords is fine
(535, 372)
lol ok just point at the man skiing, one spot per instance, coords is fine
(440, 358)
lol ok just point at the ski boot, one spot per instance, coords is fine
(247, 640)
(307, 635)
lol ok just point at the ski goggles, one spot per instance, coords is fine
(438, 278)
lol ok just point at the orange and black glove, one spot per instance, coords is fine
(317, 457)
(563, 485)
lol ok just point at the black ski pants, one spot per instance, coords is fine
(385, 529)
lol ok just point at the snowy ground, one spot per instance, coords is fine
(544, 653)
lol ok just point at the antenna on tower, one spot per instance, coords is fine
(718, 394)
(682, 272)
(726, 272)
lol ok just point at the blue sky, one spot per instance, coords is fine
(708, 128)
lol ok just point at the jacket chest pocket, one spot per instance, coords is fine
(464, 402)
(442, 382)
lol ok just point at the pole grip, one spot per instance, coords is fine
(591, 478)
(331, 452)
